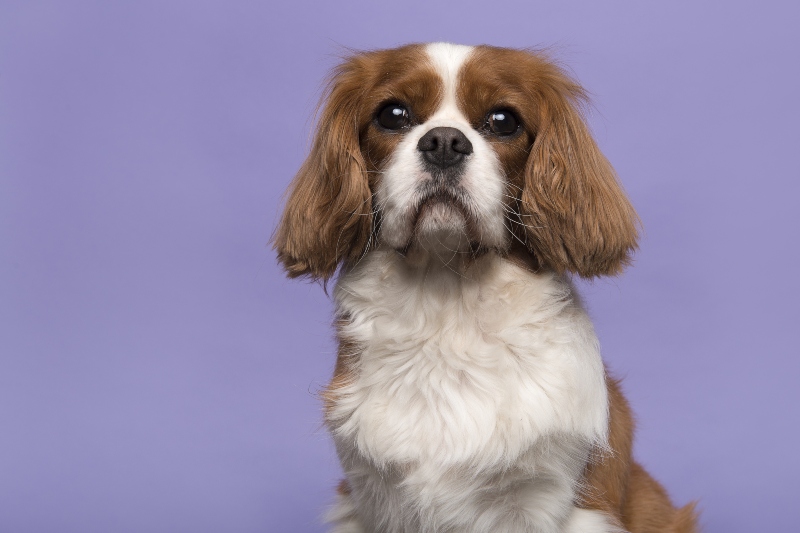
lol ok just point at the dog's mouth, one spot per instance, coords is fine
(441, 204)
(442, 217)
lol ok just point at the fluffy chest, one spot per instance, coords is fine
(453, 369)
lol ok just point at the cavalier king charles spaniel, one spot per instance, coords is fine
(455, 190)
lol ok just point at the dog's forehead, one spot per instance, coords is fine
(447, 61)
(445, 80)
(424, 77)
(432, 77)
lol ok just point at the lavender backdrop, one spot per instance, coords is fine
(157, 373)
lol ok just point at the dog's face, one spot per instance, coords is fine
(466, 149)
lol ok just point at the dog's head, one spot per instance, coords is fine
(468, 148)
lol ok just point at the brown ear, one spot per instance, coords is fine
(576, 214)
(327, 219)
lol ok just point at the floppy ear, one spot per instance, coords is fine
(576, 214)
(327, 219)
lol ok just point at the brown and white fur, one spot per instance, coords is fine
(469, 394)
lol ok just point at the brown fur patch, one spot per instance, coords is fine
(620, 487)
(570, 209)
(343, 488)
(328, 217)
(343, 372)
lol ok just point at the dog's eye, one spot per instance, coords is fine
(394, 117)
(502, 122)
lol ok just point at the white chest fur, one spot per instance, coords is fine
(465, 388)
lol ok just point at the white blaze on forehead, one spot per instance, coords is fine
(447, 59)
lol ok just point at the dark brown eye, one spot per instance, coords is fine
(502, 122)
(394, 117)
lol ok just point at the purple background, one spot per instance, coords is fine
(157, 373)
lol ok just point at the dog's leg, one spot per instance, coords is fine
(621, 488)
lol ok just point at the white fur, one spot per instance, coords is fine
(343, 517)
(588, 521)
(483, 180)
(476, 391)
(476, 398)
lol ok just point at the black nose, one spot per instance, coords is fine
(444, 147)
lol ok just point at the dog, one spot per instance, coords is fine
(453, 191)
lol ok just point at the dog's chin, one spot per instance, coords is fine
(441, 227)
